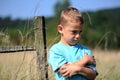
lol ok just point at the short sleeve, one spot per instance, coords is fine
(55, 59)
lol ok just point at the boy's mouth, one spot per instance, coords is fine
(73, 42)
(76, 40)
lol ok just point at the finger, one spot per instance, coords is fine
(63, 67)
(94, 63)
(85, 53)
(62, 71)
(69, 63)
(94, 59)
(66, 74)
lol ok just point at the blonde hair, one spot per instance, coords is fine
(70, 14)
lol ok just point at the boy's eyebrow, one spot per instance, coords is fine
(76, 30)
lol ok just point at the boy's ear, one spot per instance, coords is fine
(60, 28)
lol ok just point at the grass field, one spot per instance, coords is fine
(108, 64)
(22, 65)
(18, 66)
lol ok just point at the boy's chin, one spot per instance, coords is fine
(72, 43)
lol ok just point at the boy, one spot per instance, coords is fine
(70, 60)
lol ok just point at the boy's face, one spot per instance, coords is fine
(71, 32)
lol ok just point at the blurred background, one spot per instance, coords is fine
(101, 28)
(101, 34)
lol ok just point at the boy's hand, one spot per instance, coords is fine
(89, 59)
(67, 70)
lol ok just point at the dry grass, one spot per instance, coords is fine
(17, 66)
(108, 64)
(22, 65)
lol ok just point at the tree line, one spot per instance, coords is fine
(101, 28)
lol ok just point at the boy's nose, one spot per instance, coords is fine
(77, 36)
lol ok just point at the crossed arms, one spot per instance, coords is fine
(78, 67)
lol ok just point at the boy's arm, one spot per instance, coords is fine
(87, 59)
(67, 70)
(88, 73)
(79, 67)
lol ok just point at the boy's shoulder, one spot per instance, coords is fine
(56, 45)
(59, 45)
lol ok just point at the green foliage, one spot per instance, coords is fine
(61, 5)
(19, 32)
(101, 29)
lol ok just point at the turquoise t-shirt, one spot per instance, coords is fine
(60, 54)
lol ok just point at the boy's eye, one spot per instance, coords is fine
(76, 32)
(80, 31)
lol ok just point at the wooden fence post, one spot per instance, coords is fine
(40, 46)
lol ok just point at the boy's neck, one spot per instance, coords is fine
(65, 43)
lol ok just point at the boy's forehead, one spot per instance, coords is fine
(74, 24)
(73, 20)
